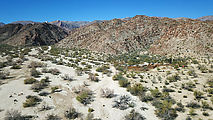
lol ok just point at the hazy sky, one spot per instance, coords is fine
(88, 10)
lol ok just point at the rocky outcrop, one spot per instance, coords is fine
(31, 34)
(158, 35)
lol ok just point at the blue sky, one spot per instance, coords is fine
(89, 10)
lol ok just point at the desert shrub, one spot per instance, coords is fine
(180, 107)
(192, 112)
(45, 70)
(136, 89)
(107, 93)
(205, 105)
(104, 69)
(93, 77)
(193, 105)
(31, 101)
(54, 89)
(168, 90)
(54, 71)
(210, 91)
(52, 117)
(155, 93)
(118, 77)
(192, 73)
(16, 66)
(211, 99)
(30, 81)
(133, 115)
(123, 103)
(4, 75)
(85, 97)
(146, 98)
(90, 116)
(13, 115)
(3, 64)
(165, 110)
(198, 94)
(71, 113)
(67, 77)
(210, 83)
(205, 114)
(123, 83)
(203, 68)
(35, 64)
(35, 73)
(173, 78)
(36, 87)
(43, 93)
(189, 86)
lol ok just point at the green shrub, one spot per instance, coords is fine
(85, 97)
(118, 77)
(156, 93)
(16, 66)
(133, 115)
(52, 117)
(90, 110)
(174, 78)
(210, 83)
(136, 89)
(123, 83)
(31, 101)
(165, 110)
(35, 73)
(13, 115)
(193, 105)
(192, 73)
(53, 89)
(71, 113)
(203, 68)
(198, 94)
(30, 81)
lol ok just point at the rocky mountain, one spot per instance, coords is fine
(158, 35)
(1, 24)
(24, 22)
(31, 34)
(69, 25)
(206, 18)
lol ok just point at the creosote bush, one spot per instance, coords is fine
(35, 73)
(85, 96)
(107, 93)
(52, 117)
(30, 81)
(13, 115)
(133, 115)
(31, 101)
(71, 113)
(123, 102)
(136, 89)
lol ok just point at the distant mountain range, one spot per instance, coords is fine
(206, 18)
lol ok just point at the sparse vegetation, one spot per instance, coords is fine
(124, 102)
(30, 81)
(31, 101)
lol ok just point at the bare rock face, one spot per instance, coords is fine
(206, 18)
(158, 35)
(31, 34)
